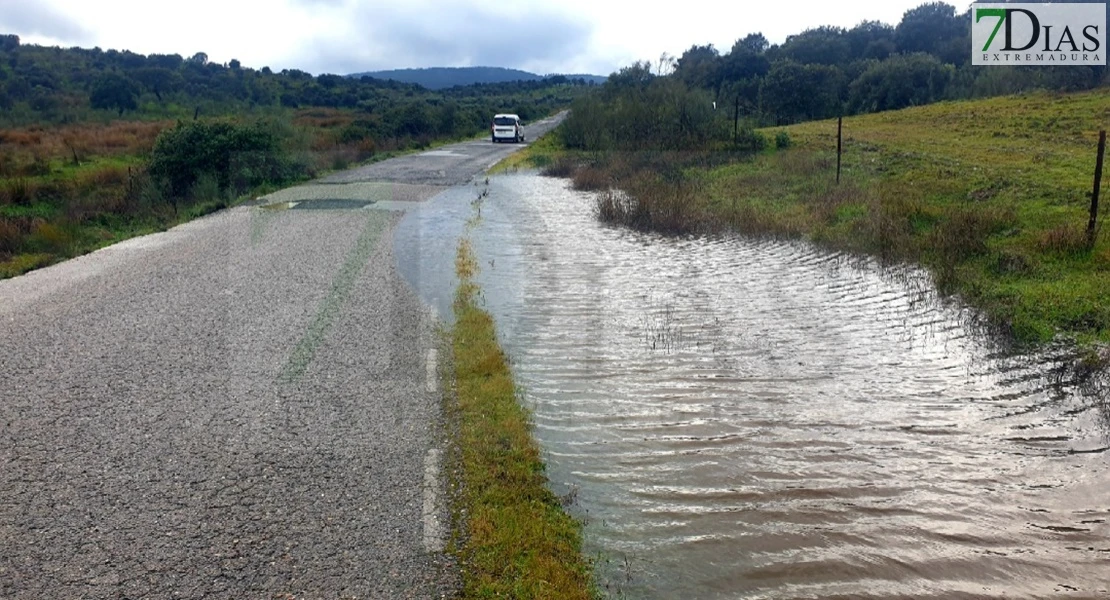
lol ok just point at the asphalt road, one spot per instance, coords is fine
(445, 166)
(245, 406)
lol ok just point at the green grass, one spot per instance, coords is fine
(540, 153)
(991, 195)
(515, 540)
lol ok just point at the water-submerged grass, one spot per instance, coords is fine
(514, 539)
(991, 195)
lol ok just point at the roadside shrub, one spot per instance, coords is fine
(238, 156)
(590, 178)
(655, 113)
(206, 189)
(749, 140)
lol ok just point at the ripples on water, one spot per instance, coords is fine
(762, 419)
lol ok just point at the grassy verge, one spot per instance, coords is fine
(515, 540)
(541, 153)
(991, 195)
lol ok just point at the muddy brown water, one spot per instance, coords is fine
(736, 418)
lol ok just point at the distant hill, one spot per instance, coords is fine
(437, 78)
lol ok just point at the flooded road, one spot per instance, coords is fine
(762, 419)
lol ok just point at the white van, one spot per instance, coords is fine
(506, 128)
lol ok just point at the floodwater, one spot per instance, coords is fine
(737, 418)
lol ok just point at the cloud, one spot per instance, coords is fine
(424, 34)
(35, 18)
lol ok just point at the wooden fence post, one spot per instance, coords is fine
(736, 120)
(1094, 193)
(839, 145)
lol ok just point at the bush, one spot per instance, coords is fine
(782, 140)
(659, 114)
(749, 140)
(239, 157)
(357, 131)
(206, 189)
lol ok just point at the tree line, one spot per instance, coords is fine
(49, 84)
(819, 73)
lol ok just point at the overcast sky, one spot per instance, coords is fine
(346, 36)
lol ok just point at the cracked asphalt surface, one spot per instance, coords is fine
(236, 408)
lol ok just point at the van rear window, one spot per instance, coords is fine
(504, 121)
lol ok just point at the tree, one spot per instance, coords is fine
(158, 80)
(165, 61)
(930, 28)
(796, 92)
(9, 43)
(638, 75)
(199, 58)
(900, 81)
(871, 39)
(742, 69)
(114, 91)
(753, 42)
(743, 62)
(699, 67)
(234, 65)
(823, 45)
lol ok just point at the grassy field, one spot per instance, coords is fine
(513, 538)
(991, 195)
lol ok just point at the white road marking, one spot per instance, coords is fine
(444, 153)
(430, 384)
(433, 529)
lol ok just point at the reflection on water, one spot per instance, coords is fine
(763, 419)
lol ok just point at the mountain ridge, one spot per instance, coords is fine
(436, 78)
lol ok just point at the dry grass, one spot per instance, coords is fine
(25, 146)
(323, 118)
(591, 178)
(11, 237)
(563, 166)
(648, 203)
(1065, 239)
